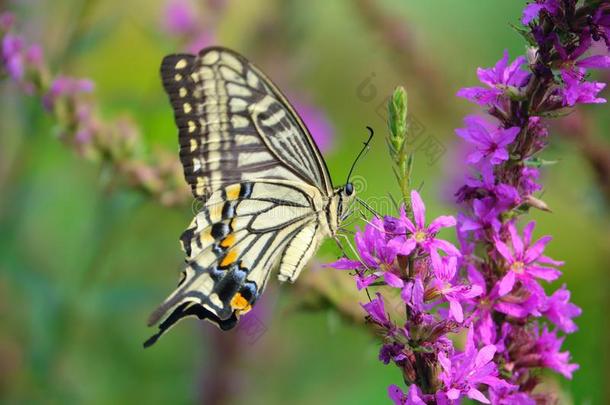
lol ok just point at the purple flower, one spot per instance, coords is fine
(570, 60)
(498, 80)
(464, 372)
(206, 37)
(345, 263)
(453, 293)
(509, 397)
(527, 182)
(415, 235)
(396, 395)
(489, 302)
(318, 124)
(34, 55)
(18, 59)
(524, 261)
(64, 86)
(413, 397)
(372, 245)
(375, 252)
(532, 10)
(547, 348)
(376, 310)
(6, 21)
(490, 142)
(485, 217)
(391, 352)
(12, 49)
(364, 280)
(180, 17)
(413, 294)
(601, 20)
(579, 91)
(560, 310)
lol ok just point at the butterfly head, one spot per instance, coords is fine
(345, 196)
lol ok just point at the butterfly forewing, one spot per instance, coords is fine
(235, 125)
(263, 182)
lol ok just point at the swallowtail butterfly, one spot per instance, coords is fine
(268, 200)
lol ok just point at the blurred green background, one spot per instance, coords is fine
(82, 266)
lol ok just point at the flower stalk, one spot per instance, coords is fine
(398, 143)
(491, 288)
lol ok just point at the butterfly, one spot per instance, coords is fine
(267, 196)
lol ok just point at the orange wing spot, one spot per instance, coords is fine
(239, 303)
(228, 241)
(229, 259)
(233, 191)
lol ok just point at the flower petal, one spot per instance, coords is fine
(445, 246)
(475, 394)
(393, 280)
(506, 284)
(516, 240)
(534, 251)
(419, 209)
(453, 394)
(456, 310)
(396, 394)
(402, 245)
(596, 62)
(484, 356)
(445, 362)
(344, 264)
(504, 251)
(376, 310)
(545, 273)
(444, 221)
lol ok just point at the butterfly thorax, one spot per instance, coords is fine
(338, 207)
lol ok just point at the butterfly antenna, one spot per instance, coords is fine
(368, 207)
(362, 151)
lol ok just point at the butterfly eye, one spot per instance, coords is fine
(349, 189)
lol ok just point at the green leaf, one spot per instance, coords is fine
(525, 33)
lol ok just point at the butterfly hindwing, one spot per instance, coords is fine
(243, 232)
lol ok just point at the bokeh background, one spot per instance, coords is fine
(85, 258)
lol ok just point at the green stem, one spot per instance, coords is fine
(397, 144)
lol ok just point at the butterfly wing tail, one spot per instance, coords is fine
(192, 297)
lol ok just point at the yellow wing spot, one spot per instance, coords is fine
(206, 237)
(200, 187)
(193, 145)
(181, 64)
(192, 126)
(187, 108)
(215, 212)
(228, 241)
(233, 191)
(229, 259)
(238, 302)
(182, 92)
(178, 77)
